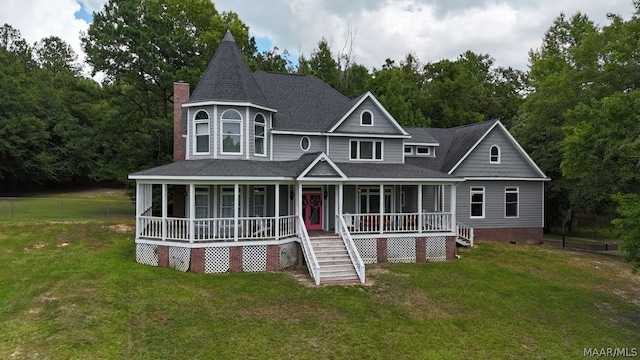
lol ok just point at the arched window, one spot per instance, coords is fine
(201, 132)
(366, 118)
(494, 154)
(231, 134)
(260, 145)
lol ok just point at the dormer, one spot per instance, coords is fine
(227, 115)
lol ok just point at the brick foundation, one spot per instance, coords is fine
(421, 250)
(235, 259)
(381, 245)
(273, 257)
(197, 260)
(163, 256)
(450, 247)
(510, 235)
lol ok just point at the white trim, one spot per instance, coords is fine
(197, 122)
(373, 149)
(362, 114)
(499, 161)
(511, 138)
(189, 179)
(420, 144)
(517, 192)
(486, 178)
(302, 147)
(320, 133)
(369, 95)
(217, 243)
(322, 157)
(241, 134)
(264, 135)
(229, 103)
(484, 201)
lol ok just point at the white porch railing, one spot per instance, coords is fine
(465, 232)
(398, 222)
(216, 229)
(356, 260)
(307, 251)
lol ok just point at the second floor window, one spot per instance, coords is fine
(231, 134)
(494, 154)
(201, 137)
(365, 150)
(259, 135)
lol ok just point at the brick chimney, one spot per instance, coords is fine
(180, 96)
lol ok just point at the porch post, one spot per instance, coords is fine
(420, 217)
(298, 201)
(139, 201)
(381, 221)
(236, 209)
(164, 212)
(192, 211)
(454, 222)
(277, 212)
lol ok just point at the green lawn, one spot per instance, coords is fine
(72, 289)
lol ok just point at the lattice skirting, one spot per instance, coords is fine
(288, 255)
(179, 258)
(249, 258)
(436, 248)
(216, 260)
(147, 254)
(401, 250)
(368, 249)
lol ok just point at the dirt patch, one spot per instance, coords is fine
(121, 228)
(106, 192)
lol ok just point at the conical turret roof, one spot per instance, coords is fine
(228, 78)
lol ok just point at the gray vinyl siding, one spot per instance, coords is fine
(322, 169)
(349, 203)
(530, 204)
(287, 147)
(381, 123)
(392, 150)
(512, 164)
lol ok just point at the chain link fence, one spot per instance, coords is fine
(20, 208)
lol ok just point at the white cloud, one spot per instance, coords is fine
(432, 29)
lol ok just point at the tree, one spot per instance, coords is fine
(628, 223)
(143, 47)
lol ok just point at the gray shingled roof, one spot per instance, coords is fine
(420, 135)
(286, 169)
(304, 102)
(228, 78)
(454, 144)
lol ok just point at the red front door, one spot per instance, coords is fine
(312, 210)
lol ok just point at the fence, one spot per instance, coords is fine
(19, 208)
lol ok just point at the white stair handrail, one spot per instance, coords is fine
(356, 260)
(307, 251)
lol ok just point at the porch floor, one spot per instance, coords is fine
(320, 233)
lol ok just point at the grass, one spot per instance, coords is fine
(72, 289)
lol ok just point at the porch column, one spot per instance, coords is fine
(381, 221)
(192, 211)
(139, 201)
(454, 222)
(298, 200)
(164, 212)
(420, 217)
(236, 209)
(277, 212)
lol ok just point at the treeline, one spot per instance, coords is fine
(575, 110)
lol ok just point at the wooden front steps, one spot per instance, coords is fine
(335, 264)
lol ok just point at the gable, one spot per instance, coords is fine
(321, 167)
(513, 161)
(368, 116)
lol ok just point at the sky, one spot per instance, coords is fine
(433, 30)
